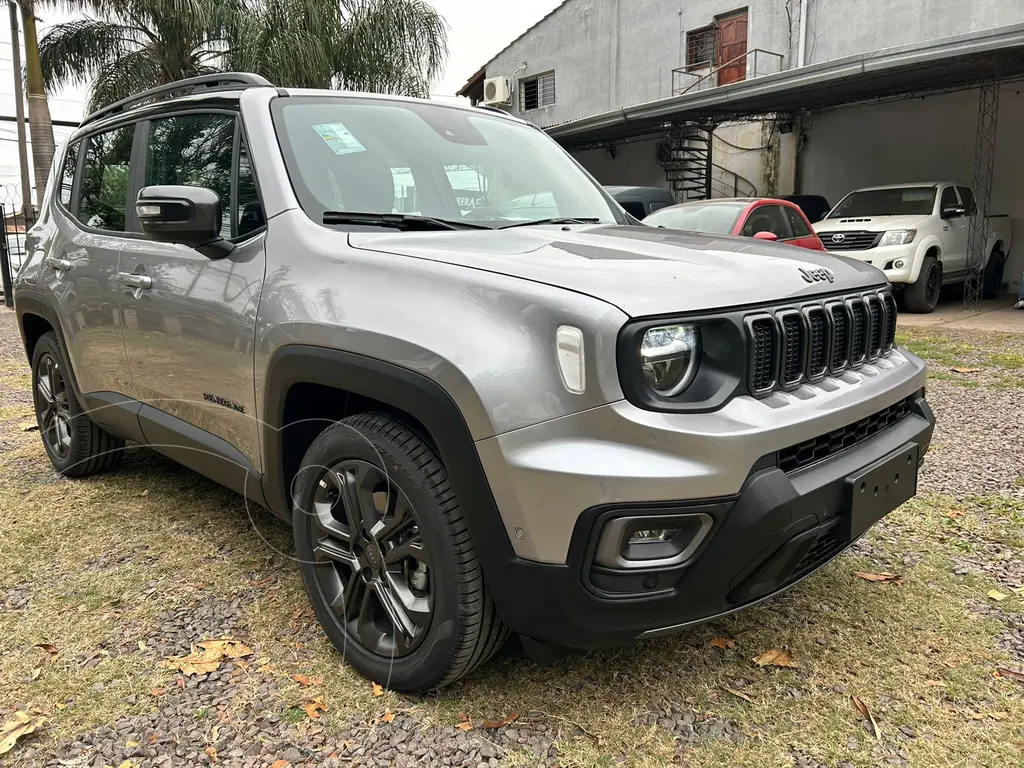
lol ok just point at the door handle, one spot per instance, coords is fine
(61, 265)
(142, 282)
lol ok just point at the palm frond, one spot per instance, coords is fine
(395, 46)
(70, 53)
(122, 77)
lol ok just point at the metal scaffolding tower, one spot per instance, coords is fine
(984, 162)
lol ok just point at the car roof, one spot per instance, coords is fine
(905, 186)
(616, 190)
(720, 201)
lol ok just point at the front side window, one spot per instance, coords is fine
(967, 198)
(536, 92)
(379, 156)
(67, 174)
(103, 200)
(796, 222)
(768, 218)
(949, 198)
(193, 150)
(897, 201)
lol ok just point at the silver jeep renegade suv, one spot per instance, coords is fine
(484, 397)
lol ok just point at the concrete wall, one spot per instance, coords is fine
(923, 139)
(838, 28)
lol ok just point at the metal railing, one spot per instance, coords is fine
(12, 249)
(757, 61)
(727, 183)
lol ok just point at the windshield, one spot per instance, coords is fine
(428, 159)
(715, 218)
(902, 201)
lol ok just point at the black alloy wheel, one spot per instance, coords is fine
(371, 563)
(52, 406)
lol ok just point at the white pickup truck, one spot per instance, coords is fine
(917, 234)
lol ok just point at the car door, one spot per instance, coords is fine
(954, 234)
(190, 320)
(79, 270)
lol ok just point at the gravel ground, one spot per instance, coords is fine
(235, 717)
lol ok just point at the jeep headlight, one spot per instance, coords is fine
(669, 356)
(897, 237)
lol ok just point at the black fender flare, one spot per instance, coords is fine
(407, 391)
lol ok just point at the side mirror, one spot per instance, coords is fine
(766, 235)
(187, 215)
(953, 211)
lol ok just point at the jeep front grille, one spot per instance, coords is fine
(824, 446)
(805, 342)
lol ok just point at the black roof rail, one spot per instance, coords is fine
(218, 81)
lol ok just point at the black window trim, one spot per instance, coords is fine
(76, 194)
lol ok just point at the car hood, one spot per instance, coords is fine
(869, 223)
(641, 270)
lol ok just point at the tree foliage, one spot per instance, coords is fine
(124, 46)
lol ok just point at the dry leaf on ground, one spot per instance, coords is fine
(774, 657)
(388, 716)
(465, 725)
(211, 753)
(314, 708)
(50, 648)
(739, 694)
(302, 679)
(723, 643)
(863, 709)
(1010, 673)
(878, 576)
(17, 725)
(377, 690)
(501, 723)
(996, 595)
(964, 369)
(30, 428)
(209, 659)
(280, 764)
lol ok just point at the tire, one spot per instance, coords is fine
(457, 628)
(992, 282)
(75, 445)
(922, 295)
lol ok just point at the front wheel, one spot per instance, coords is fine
(387, 559)
(922, 296)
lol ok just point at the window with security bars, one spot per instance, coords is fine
(537, 91)
(700, 47)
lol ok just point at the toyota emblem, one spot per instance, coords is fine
(838, 237)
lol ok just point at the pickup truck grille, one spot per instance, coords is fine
(849, 241)
(794, 344)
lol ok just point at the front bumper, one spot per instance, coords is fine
(886, 258)
(778, 529)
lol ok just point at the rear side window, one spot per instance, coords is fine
(796, 222)
(194, 150)
(635, 209)
(67, 174)
(768, 218)
(104, 197)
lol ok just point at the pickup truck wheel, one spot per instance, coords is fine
(75, 445)
(386, 557)
(922, 295)
(992, 282)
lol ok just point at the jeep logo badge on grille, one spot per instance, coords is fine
(838, 237)
(817, 275)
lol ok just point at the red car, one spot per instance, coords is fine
(762, 217)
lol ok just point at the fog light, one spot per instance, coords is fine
(653, 536)
(898, 264)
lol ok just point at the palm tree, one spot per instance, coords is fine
(39, 125)
(125, 46)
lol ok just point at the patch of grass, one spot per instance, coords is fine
(1007, 360)
(935, 349)
(958, 380)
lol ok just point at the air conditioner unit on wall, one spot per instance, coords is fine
(497, 91)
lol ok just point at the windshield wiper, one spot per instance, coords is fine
(563, 220)
(401, 221)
